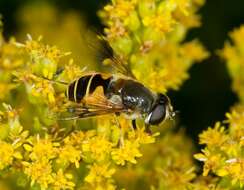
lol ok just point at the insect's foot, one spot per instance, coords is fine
(148, 130)
(120, 142)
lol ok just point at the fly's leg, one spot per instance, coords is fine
(134, 124)
(121, 135)
(63, 133)
(147, 129)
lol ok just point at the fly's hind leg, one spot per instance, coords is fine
(121, 135)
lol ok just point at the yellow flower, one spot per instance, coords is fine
(70, 154)
(236, 117)
(44, 59)
(41, 149)
(38, 50)
(237, 36)
(75, 139)
(6, 154)
(120, 9)
(233, 54)
(97, 147)
(162, 22)
(37, 87)
(128, 152)
(212, 161)
(116, 31)
(183, 5)
(70, 72)
(39, 172)
(234, 168)
(176, 179)
(45, 89)
(62, 181)
(194, 51)
(214, 137)
(141, 136)
(162, 64)
(99, 173)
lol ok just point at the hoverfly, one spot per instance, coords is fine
(121, 94)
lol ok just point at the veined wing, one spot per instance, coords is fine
(91, 106)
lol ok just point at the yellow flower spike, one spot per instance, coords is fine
(129, 152)
(233, 53)
(162, 25)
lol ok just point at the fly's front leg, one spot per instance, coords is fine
(121, 135)
(147, 129)
(134, 124)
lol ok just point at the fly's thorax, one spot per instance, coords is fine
(135, 96)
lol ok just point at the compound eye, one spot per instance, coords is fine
(157, 114)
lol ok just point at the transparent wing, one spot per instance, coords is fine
(108, 56)
(91, 106)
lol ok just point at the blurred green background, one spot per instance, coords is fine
(207, 95)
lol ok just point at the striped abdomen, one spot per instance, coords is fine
(86, 85)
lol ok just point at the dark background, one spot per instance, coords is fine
(207, 95)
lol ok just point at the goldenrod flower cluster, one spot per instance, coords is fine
(233, 53)
(41, 146)
(148, 35)
(40, 151)
(223, 151)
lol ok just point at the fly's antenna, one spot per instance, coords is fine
(173, 114)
